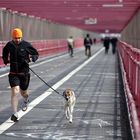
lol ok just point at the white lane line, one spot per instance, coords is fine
(8, 123)
(4, 75)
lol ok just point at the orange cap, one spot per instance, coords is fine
(16, 33)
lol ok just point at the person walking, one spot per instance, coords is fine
(87, 44)
(70, 45)
(106, 44)
(19, 53)
(114, 41)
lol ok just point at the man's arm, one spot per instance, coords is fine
(5, 55)
(33, 52)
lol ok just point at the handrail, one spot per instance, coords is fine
(130, 66)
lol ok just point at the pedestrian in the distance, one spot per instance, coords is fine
(114, 41)
(70, 45)
(106, 44)
(87, 44)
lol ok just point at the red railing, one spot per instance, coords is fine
(130, 65)
(47, 47)
(50, 47)
(2, 43)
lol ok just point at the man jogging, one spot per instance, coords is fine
(18, 53)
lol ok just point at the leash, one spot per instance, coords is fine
(45, 82)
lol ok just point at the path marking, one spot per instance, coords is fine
(8, 123)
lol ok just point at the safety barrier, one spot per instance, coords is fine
(2, 43)
(130, 65)
(47, 47)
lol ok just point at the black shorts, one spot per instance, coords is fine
(21, 80)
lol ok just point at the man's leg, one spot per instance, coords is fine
(25, 96)
(14, 102)
(24, 93)
(24, 83)
(89, 52)
(71, 51)
(86, 50)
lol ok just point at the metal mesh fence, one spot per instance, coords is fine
(131, 34)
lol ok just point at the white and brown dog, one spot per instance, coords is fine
(69, 103)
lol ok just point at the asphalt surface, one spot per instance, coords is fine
(100, 111)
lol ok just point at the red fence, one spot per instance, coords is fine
(1, 47)
(130, 64)
(47, 47)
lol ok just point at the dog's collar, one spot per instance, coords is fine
(65, 97)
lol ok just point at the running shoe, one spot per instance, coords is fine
(25, 104)
(14, 118)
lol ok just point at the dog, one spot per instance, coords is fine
(70, 101)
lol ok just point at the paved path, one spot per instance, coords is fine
(99, 113)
